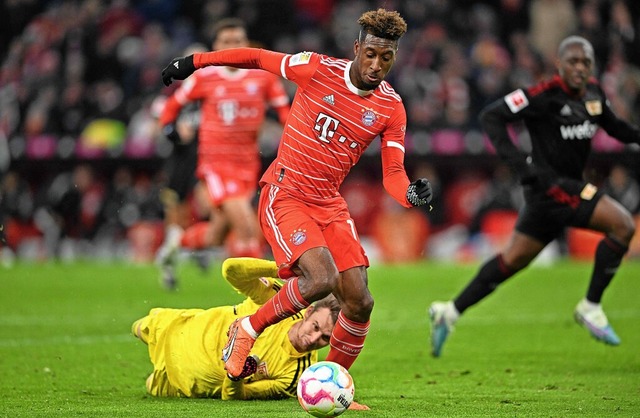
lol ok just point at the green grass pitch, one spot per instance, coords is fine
(66, 351)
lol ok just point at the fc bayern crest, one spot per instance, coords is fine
(368, 118)
(298, 237)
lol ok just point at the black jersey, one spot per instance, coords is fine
(561, 125)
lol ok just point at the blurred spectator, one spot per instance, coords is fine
(401, 234)
(436, 213)
(363, 195)
(179, 167)
(313, 13)
(514, 19)
(102, 58)
(16, 199)
(592, 27)
(528, 65)
(502, 193)
(115, 216)
(67, 64)
(551, 21)
(464, 196)
(622, 30)
(16, 211)
(621, 186)
(70, 211)
(142, 214)
(14, 17)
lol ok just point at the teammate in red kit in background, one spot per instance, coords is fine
(177, 195)
(340, 107)
(233, 106)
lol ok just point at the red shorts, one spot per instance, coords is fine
(292, 227)
(221, 186)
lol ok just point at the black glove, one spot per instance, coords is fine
(526, 171)
(419, 192)
(169, 130)
(178, 69)
(535, 177)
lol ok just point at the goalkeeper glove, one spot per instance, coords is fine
(178, 69)
(169, 130)
(420, 192)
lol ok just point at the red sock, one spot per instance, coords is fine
(286, 302)
(195, 237)
(347, 340)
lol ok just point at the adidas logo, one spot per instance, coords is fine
(175, 64)
(329, 99)
(565, 111)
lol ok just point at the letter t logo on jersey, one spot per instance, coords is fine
(326, 126)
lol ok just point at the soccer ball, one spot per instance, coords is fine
(325, 389)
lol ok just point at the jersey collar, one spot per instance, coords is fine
(566, 88)
(352, 88)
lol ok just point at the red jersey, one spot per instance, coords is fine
(330, 125)
(233, 106)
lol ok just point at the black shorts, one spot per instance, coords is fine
(181, 167)
(546, 214)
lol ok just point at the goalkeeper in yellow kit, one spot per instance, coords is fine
(185, 344)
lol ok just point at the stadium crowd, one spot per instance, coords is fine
(81, 155)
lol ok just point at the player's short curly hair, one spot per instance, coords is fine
(575, 40)
(386, 24)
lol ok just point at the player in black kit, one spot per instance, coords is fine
(562, 116)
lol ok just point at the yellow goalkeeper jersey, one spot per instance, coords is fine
(185, 345)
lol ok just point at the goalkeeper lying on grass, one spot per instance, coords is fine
(185, 344)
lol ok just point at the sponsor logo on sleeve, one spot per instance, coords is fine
(300, 59)
(516, 100)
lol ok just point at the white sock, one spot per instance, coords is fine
(590, 305)
(451, 308)
(246, 325)
(173, 235)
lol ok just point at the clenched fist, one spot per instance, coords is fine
(420, 192)
(178, 69)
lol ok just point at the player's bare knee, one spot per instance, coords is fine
(326, 281)
(318, 283)
(518, 262)
(624, 230)
(366, 305)
(630, 227)
(358, 310)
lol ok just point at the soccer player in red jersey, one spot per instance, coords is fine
(340, 107)
(233, 105)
